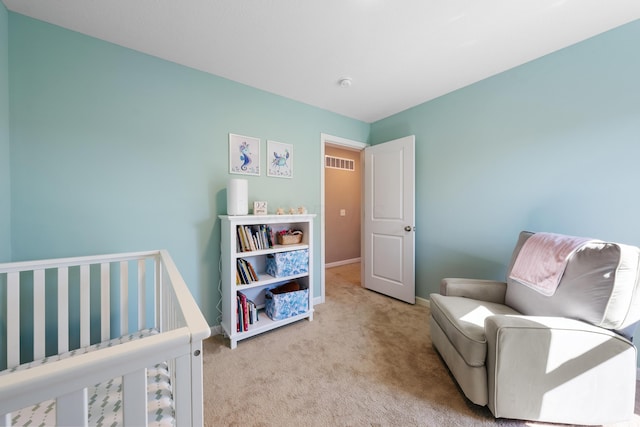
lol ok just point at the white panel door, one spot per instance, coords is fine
(389, 219)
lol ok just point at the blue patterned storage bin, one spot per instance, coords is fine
(282, 306)
(290, 263)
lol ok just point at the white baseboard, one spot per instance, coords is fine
(423, 301)
(343, 262)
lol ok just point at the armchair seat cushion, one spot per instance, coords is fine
(462, 320)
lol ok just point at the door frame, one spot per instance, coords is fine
(339, 142)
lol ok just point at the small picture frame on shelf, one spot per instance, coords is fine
(279, 159)
(244, 155)
(259, 208)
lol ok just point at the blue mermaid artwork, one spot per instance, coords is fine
(244, 155)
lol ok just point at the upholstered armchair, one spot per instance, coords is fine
(554, 346)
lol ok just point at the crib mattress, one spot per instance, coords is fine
(105, 399)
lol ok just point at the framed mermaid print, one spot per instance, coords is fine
(244, 155)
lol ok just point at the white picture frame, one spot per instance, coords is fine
(279, 159)
(244, 155)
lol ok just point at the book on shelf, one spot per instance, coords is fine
(253, 312)
(247, 231)
(243, 239)
(245, 273)
(254, 237)
(243, 278)
(239, 321)
(254, 275)
(266, 236)
(246, 312)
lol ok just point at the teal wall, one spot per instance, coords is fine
(552, 145)
(116, 151)
(113, 150)
(5, 189)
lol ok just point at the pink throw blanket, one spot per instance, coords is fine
(542, 260)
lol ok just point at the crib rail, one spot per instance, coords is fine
(54, 306)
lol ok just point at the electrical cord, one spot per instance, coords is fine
(219, 304)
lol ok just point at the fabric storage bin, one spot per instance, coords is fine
(282, 306)
(290, 263)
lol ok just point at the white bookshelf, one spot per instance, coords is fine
(255, 291)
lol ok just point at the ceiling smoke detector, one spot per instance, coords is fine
(345, 82)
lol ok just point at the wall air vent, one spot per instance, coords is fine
(339, 163)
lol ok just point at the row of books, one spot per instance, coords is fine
(245, 273)
(254, 237)
(247, 313)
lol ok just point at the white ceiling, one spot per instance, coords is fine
(399, 53)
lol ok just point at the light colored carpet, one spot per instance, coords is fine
(365, 360)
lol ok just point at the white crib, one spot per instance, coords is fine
(74, 328)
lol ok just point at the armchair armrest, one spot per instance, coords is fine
(560, 369)
(483, 290)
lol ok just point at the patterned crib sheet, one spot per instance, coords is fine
(105, 399)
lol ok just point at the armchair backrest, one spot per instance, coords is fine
(600, 285)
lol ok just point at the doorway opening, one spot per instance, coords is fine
(341, 194)
(342, 206)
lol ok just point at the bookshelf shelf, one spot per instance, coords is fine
(266, 279)
(232, 243)
(276, 249)
(266, 324)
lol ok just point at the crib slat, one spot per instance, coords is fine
(72, 409)
(164, 310)
(38, 314)
(158, 293)
(105, 303)
(142, 280)
(134, 398)
(85, 305)
(5, 420)
(124, 298)
(63, 310)
(13, 319)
